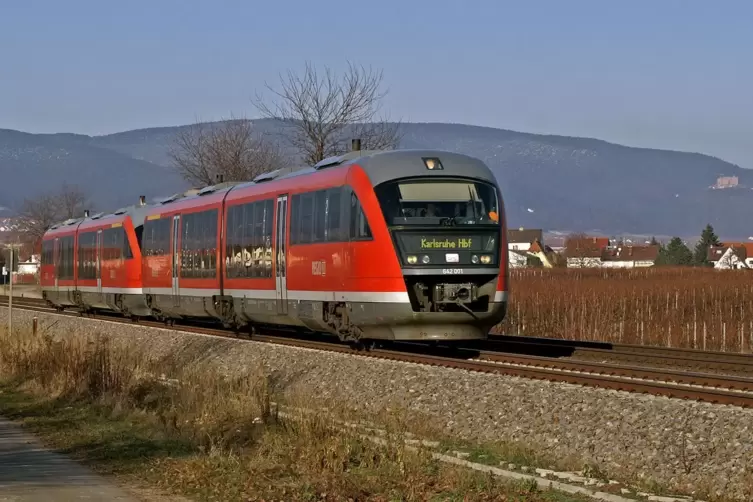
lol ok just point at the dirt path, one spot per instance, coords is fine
(31, 473)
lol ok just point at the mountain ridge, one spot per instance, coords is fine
(549, 181)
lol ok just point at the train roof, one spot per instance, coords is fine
(136, 212)
(380, 166)
(388, 165)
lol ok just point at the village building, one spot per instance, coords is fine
(733, 255)
(585, 251)
(630, 256)
(525, 246)
(522, 239)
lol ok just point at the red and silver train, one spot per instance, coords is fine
(390, 245)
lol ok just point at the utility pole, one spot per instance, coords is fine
(11, 247)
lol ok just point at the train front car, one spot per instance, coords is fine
(445, 218)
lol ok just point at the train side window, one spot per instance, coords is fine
(212, 244)
(149, 244)
(256, 248)
(359, 225)
(306, 218)
(139, 231)
(61, 257)
(65, 264)
(113, 243)
(267, 242)
(46, 252)
(200, 228)
(165, 236)
(248, 240)
(320, 216)
(86, 255)
(334, 210)
(230, 241)
(70, 258)
(205, 230)
(240, 224)
(295, 215)
(127, 252)
(146, 239)
(156, 239)
(186, 257)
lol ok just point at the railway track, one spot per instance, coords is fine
(670, 382)
(698, 360)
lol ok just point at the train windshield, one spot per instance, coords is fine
(438, 202)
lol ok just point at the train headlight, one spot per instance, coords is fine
(412, 259)
(433, 163)
(425, 259)
(474, 259)
(486, 259)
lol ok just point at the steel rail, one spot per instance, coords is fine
(662, 356)
(671, 383)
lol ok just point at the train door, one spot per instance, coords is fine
(56, 261)
(176, 261)
(99, 262)
(281, 272)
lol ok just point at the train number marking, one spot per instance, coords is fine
(452, 271)
(318, 268)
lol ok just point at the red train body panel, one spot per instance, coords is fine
(371, 245)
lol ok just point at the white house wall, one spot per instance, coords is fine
(584, 262)
(516, 260)
(519, 246)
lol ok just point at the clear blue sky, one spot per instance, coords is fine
(672, 74)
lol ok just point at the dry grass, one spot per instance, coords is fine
(197, 433)
(678, 307)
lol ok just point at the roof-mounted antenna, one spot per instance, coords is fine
(142, 200)
(86, 213)
(355, 145)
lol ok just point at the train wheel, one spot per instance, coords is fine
(361, 345)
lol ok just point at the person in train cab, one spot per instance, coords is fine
(432, 211)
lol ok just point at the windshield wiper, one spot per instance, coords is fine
(452, 221)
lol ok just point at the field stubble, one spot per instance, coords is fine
(698, 308)
(193, 431)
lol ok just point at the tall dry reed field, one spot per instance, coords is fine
(697, 308)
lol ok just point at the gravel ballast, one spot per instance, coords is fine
(679, 444)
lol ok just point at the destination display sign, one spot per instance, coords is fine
(416, 243)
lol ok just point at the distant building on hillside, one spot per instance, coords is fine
(723, 182)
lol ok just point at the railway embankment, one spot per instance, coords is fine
(648, 441)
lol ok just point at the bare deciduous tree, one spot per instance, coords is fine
(38, 214)
(230, 149)
(320, 110)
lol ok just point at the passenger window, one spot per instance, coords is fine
(359, 226)
(320, 216)
(306, 218)
(334, 209)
